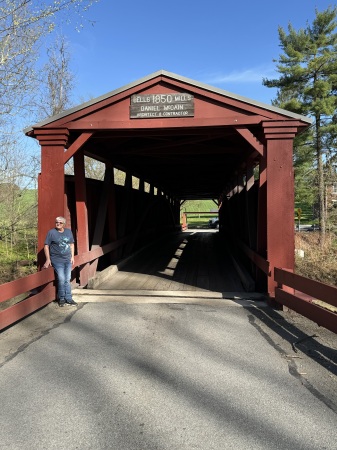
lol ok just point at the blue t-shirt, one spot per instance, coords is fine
(59, 244)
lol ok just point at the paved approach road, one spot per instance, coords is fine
(177, 375)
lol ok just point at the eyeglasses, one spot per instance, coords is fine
(59, 223)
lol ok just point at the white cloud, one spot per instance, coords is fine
(252, 75)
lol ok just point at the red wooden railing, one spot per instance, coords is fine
(39, 287)
(309, 298)
(302, 295)
(28, 284)
(257, 259)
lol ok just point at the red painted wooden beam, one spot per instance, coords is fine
(75, 146)
(26, 307)
(321, 316)
(250, 138)
(97, 125)
(25, 284)
(315, 289)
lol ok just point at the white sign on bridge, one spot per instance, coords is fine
(161, 106)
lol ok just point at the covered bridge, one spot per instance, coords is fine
(182, 140)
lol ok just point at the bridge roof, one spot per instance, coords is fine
(189, 157)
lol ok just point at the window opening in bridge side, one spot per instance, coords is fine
(135, 183)
(94, 169)
(119, 176)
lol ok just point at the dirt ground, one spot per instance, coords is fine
(309, 350)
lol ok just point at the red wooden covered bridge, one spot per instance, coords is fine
(182, 140)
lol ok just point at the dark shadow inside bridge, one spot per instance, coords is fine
(188, 261)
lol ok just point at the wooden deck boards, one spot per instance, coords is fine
(188, 261)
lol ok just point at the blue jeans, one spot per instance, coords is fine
(63, 276)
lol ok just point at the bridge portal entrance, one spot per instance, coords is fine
(175, 139)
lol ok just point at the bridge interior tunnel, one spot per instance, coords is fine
(185, 164)
(214, 145)
(163, 168)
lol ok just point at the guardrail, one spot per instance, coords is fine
(39, 287)
(308, 297)
(257, 259)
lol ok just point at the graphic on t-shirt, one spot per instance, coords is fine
(59, 245)
(64, 245)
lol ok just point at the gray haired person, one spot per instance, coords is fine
(59, 252)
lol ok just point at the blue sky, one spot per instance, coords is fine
(228, 44)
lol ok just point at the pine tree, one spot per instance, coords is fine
(308, 85)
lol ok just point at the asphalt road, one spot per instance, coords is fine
(146, 376)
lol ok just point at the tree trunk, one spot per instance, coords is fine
(321, 191)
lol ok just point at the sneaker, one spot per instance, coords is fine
(71, 302)
(61, 303)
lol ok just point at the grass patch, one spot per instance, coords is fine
(198, 222)
(199, 206)
(202, 211)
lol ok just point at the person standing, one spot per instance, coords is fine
(59, 252)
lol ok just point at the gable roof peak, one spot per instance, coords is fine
(170, 75)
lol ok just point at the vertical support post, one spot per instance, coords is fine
(141, 185)
(240, 206)
(249, 176)
(240, 183)
(184, 222)
(51, 190)
(280, 208)
(101, 218)
(249, 228)
(249, 210)
(112, 215)
(127, 204)
(177, 212)
(280, 234)
(82, 234)
(261, 238)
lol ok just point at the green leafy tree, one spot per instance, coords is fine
(308, 85)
